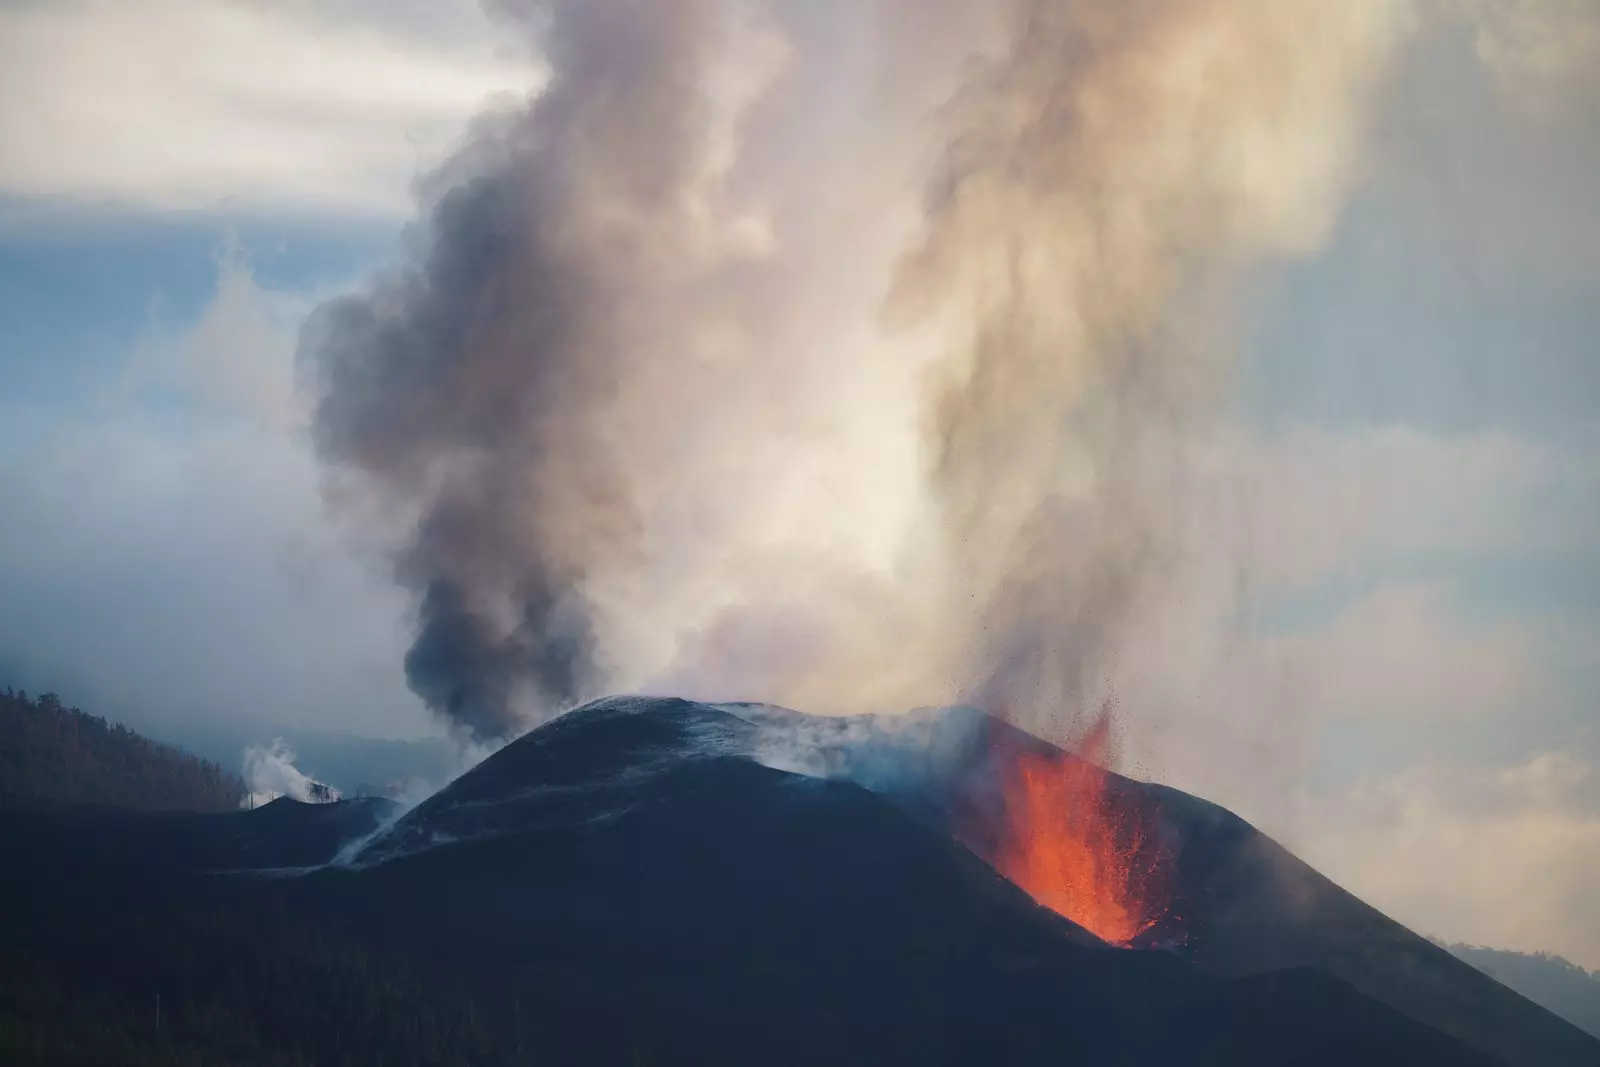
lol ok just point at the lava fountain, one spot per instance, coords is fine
(1078, 847)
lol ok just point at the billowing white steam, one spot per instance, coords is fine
(270, 773)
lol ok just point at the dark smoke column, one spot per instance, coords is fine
(463, 397)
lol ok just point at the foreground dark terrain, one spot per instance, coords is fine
(635, 883)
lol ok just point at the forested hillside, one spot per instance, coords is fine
(50, 753)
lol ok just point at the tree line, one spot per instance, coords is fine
(53, 754)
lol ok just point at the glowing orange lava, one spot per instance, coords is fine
(1076, 852)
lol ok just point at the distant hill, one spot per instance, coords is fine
(1549, 981)
(53, 754)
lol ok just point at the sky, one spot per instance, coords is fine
(1380, 640)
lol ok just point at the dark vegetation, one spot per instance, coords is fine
(53, 754)
(211, 984)
(118, 945)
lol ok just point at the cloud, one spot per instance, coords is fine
(1460, 291)
(1508, 857)
(235, 360)
(165, 556)
(248, 104)
(1540, 50)
(1309, 503)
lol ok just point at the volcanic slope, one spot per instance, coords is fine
(1239, 904)
(640, 881)
(640, 860)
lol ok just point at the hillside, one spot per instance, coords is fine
(53, 754)
(1239, 905)
(630, 884)
(1549, 981)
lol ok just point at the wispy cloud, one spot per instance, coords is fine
(183, 104)
(165, 556)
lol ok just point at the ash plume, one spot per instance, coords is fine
(839, 355)
(474, 386)
(1109, 175)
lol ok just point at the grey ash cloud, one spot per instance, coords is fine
(461, 388)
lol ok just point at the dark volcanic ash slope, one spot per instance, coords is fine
(1254, 907)
(1248, 907)
(638, 829)
(640, 856)
(640, 881)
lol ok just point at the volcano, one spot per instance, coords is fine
(662, 881)
(1213, 889)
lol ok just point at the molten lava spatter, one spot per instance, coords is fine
(1076, 851)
